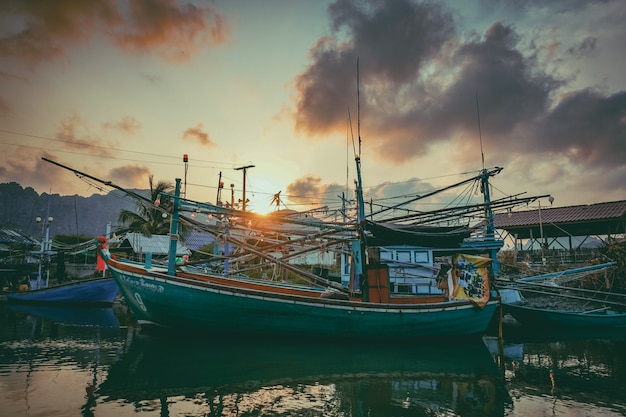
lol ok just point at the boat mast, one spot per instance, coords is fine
(358, 245)
(171, 261)
(484, 187)
(357, 157)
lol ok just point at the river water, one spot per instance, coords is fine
(96, 362)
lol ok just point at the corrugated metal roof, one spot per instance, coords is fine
(613, 210)
(196, 240)
(9, 236)
(156, 244)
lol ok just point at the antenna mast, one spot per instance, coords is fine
(480, 135)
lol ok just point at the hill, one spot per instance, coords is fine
(74, 214)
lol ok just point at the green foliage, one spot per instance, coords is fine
(615, 250)
(72, 239)
(203, 253)
(148, 219)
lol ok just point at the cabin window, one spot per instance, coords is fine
(403, 256)
(421, 257)
(386, 255)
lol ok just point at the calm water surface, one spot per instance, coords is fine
(95, 362)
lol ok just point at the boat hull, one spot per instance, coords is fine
(180, 303)
(99, 291)
(544, 318)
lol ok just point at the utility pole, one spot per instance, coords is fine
(245, 169)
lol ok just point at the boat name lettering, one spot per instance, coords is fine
(142, 283)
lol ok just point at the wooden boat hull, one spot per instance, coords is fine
(544, 318)
(99, 291)
(211, 304)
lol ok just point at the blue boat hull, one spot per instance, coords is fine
(99, 291)
(176, 302)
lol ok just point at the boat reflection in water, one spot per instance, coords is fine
(565, 373)
(53, 358)
(65, 365)
(257, 377)
(62, 365)
(103, 317)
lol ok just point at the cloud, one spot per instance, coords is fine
(131, 176)
(128, 125)
(586, 127)
(392, 40)
(5, 109)
(310, 188)
(40, 31)
(195, 134)
(422, 86)
(41, 175)
(172, 30)
(75, 134)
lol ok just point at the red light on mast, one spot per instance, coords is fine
(185, 158)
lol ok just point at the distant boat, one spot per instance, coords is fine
(548, 305)
(97, 291)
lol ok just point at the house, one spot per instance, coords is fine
(136, 245)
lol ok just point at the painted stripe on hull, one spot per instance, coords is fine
(217, 308)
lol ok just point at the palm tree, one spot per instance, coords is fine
(149, 220)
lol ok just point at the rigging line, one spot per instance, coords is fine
(106, 183)
(480, 133)
(437, 191)
(358, 105)
(102, 156)
(348, 133)
(91, 145)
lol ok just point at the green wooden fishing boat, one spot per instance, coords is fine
(219, 304)
(211, 304)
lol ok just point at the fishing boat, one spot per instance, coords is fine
(97, 291)
(206, 302)
(545, 302)
(101, 291)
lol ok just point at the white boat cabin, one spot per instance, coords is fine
(412, 269)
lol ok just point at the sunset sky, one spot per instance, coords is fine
(122, 89)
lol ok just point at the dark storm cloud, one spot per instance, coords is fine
(558, 6)
(420, 85)
(393, 39)
(495, 70)
(586, 127)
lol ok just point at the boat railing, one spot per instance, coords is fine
(557, 256)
